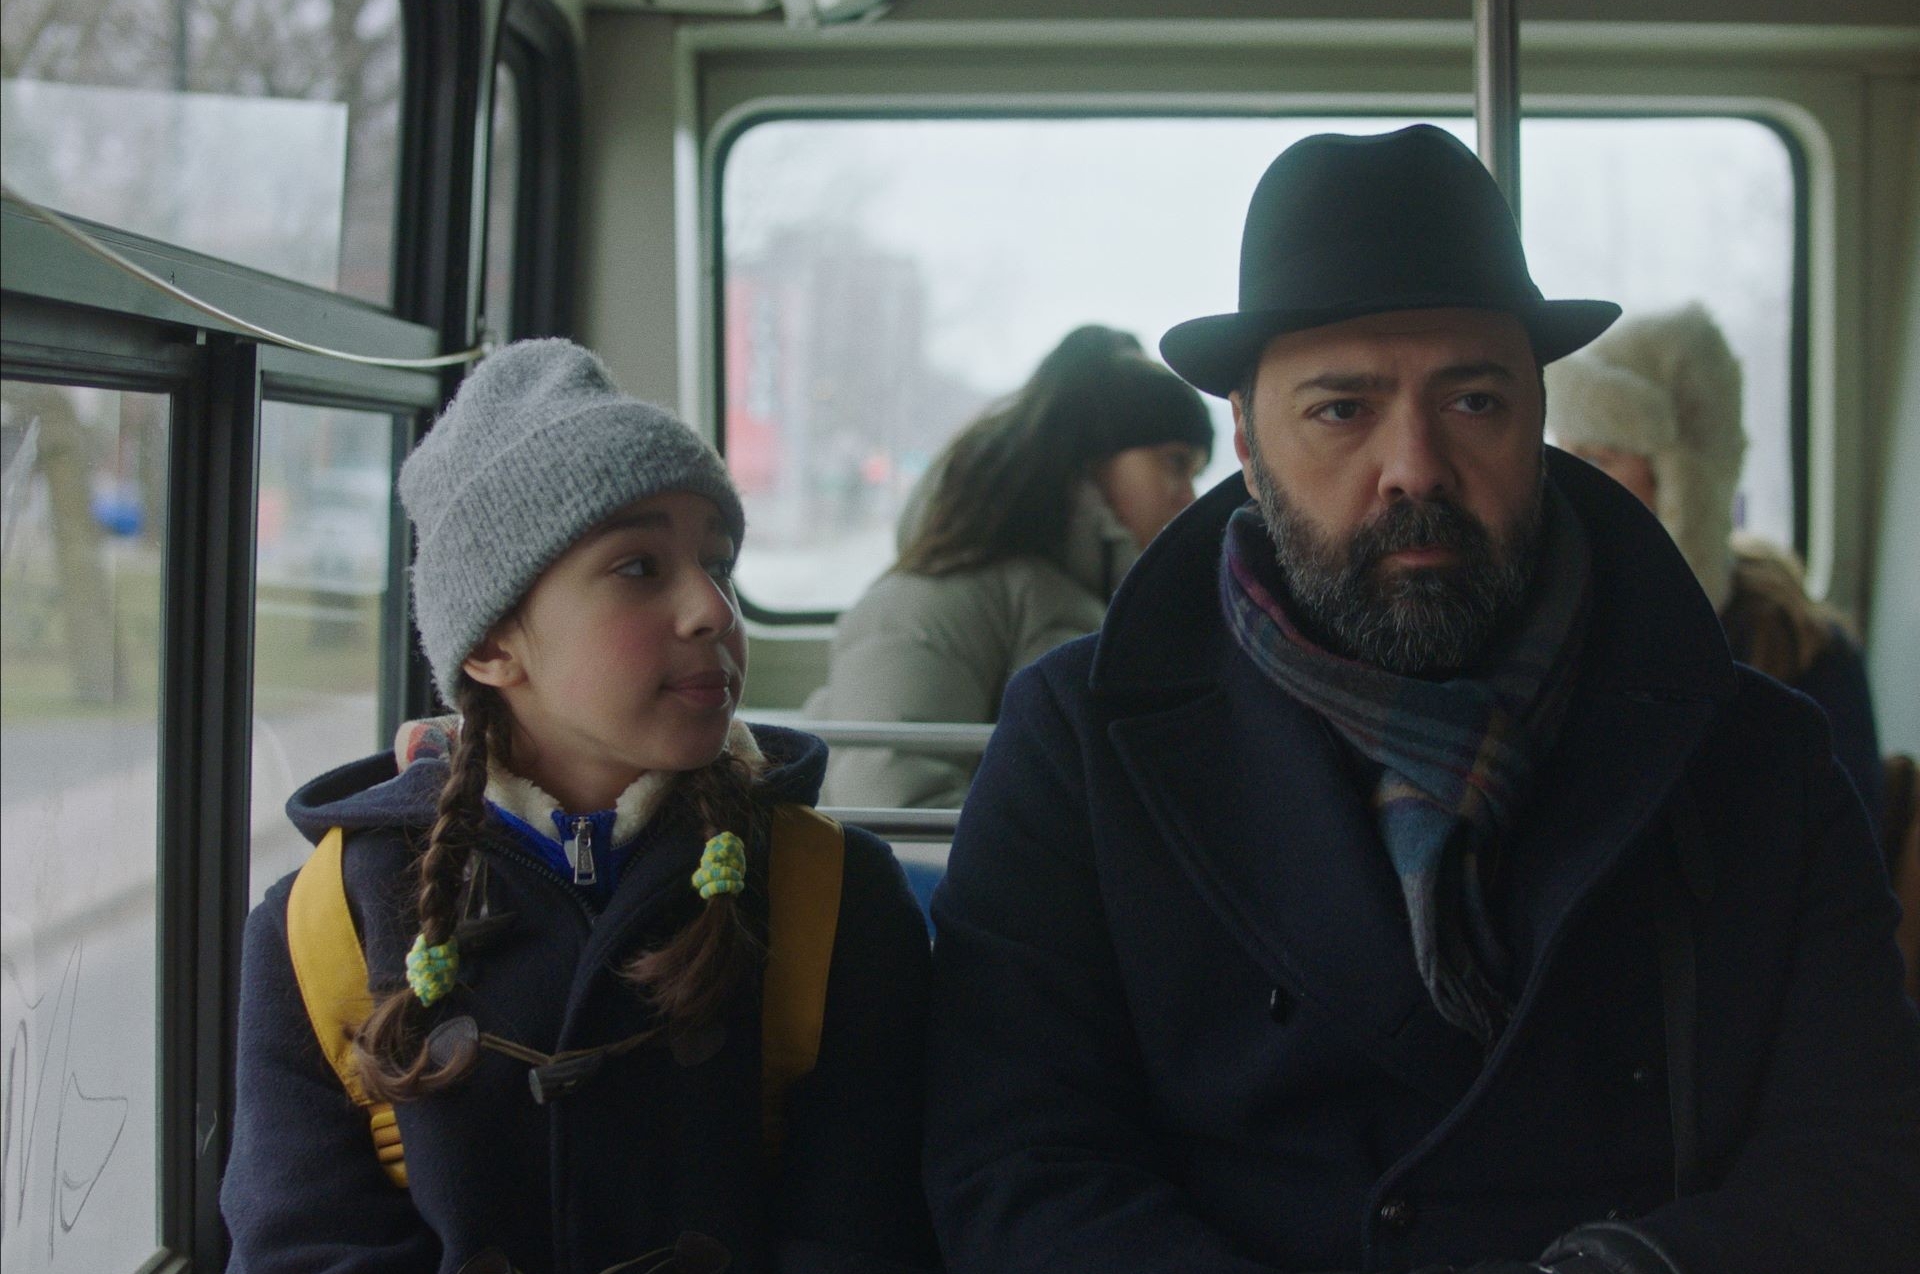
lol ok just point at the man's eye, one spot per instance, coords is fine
(636, 568)
(1477, 404)
(721, 568)
(1342, 410)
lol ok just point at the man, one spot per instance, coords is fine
(1405, 877)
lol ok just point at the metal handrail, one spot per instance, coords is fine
(1496, 93)
(898, 824)
(964, 738)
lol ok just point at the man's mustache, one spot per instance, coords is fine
(1412, 524)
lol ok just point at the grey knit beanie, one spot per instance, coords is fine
(536, 448)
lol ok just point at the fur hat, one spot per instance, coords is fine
(1665, 386)
(535, 449)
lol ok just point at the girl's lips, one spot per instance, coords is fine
(704, 689)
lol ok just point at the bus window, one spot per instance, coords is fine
(82, 550)
(884, 279)
(324, 509)
(263, 134)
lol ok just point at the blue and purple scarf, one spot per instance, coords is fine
(1456, 756)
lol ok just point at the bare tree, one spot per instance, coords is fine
(327, 50)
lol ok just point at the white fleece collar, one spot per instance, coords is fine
(532, 805)
(635, 807)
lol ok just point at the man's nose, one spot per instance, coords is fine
(1413, 458)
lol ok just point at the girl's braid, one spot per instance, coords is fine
(690, 980)
(391, 1049)
(461, 811)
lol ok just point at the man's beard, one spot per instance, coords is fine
(1415, 622)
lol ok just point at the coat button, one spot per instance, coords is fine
(1280, 1004)
(1397, 1215)
(1641, 1076)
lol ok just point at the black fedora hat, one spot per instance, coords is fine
(1343, 226)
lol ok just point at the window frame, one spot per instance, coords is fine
(537, 46)
(1837, 90)
(68, 318)
(739, 121)
(67, 323)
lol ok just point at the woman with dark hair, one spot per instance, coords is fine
(1012, 544)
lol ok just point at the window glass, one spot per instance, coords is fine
(325, 500)
(503, 193)
(262, 133)
(883, 280)
(1654, 213)
(82, 524)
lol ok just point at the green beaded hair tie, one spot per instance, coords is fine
(723, 867)
(432, 969)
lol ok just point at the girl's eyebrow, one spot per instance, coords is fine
(651, 520)
(657, 520)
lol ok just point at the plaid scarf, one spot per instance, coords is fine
(1456, 756)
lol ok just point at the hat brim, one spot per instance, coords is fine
(1214, 353)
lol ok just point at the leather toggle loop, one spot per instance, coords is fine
(557, 1078)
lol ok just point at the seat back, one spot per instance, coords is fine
(1900, 838)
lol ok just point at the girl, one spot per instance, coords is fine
(562, 897)
(1019, 535)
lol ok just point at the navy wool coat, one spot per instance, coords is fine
(1177, 1024)
(649, 1147)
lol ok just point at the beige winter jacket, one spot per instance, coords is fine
(924, 648)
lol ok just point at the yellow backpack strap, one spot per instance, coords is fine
(808, 856)
(332, 973)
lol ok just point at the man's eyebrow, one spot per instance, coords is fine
(1373, 383)
(1485, 369)
(1347, 383)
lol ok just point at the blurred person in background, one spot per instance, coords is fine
(1655, 403)
(1012, 544)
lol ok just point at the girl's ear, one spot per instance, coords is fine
(495, 663)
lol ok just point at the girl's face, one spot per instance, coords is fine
(1147, 486)
(626, 656)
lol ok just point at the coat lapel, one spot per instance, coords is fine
(1619, 757)
(1277, 836)
(1256, 802)
(1645, 698)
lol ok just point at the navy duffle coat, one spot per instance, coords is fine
(1177, 1024)
(649, 1147)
